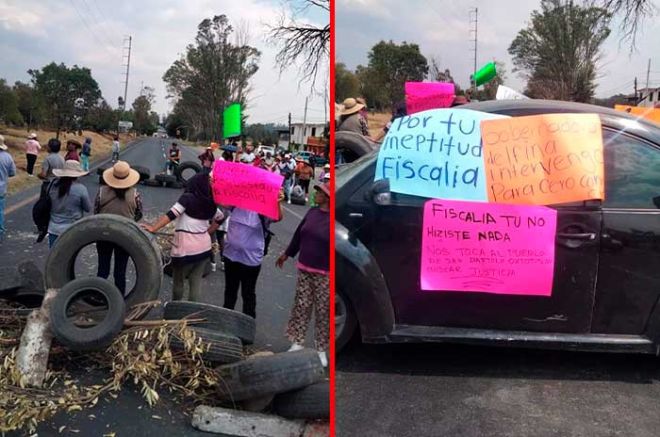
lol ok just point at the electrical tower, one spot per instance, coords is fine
(126, 56)
(474, 21)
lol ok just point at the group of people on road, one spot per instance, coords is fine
(197, 220)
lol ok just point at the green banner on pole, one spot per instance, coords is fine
(231, 121)
(486, 74)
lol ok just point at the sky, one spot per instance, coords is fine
(91, 33)
(442, 30)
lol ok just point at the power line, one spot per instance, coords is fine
(88, 27)
(99, 23)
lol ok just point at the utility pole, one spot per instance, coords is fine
(289, 147)
(474, 21)
(305, 125)
(636, 96)
(648, 72)
(128, 66)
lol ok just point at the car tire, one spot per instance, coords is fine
(186, 165)
(87, 338)
(145, 173)
(152, 183)
(345, 321)
(279, 373)
(217, 318)
(165, 179)
(311, 402)
(222, 348)
(123, 232)
(167, 269)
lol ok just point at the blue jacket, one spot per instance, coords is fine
(7, 170)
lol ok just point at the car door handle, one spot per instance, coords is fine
(355, 215)
(577, 236)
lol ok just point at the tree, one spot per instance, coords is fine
(559, 50)
(438, 75)
(141, 112)
(9, 112)
(213, 73)
(30, 105)
(101, 118)
(390, 67)
(633, 12)
(67, 93)
(302, 42)
(347, 83)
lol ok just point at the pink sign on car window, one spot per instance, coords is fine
(247, 187)
(421, 96)
(488, 247)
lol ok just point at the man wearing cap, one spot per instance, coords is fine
(7, 170)
(349, 119)
(286, 168)
(32, 149)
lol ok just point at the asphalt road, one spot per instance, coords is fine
(454, 390)
(275, 292)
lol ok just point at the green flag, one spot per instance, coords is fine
(231, 121)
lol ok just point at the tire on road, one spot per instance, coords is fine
(218, 347)
(89, 337)
(283, 372)
(177, 185)
(165, 179)
(186, 165)
(116, 229)
(152, 183)
(311, 402)
(217, 318)
(145, 173)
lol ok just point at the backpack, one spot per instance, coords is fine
(268, 235)
(41, 212)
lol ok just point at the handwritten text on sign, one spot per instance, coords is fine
(247, 187)
(436, 154)
(544, 159)
(486, 247)
(422, 96)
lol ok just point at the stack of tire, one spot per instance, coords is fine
(182, 174)
(291, 384)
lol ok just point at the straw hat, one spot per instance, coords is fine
(327, 166)
(2, 143)
(351, 106)
(121, 175)
(72, 169)
(32, 136)
(325, 188)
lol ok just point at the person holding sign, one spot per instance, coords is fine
(192, 236)
(246, 245)
(311, 242)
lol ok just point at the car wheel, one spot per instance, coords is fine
(345, 321)
(279, 373)
(60, 264)
(88, 337)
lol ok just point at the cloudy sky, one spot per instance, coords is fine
(90, 33)
(441, 28)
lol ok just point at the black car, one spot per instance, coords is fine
(607, 257)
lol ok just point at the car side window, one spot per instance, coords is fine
(632, 172)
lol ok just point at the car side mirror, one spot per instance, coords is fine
(380, 192)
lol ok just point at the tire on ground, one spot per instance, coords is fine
(145, 173)
(165, 179)
(311, 402)
(177, 185)
(283, 372)
(186, 165)
(87, 338)
(218, 347)
(217, 318)
(115, 229)
(152, 183)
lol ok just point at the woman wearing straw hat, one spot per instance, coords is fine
(32, 149)
(118, 196)
(311, 242)
(350, 119)
(69, 199)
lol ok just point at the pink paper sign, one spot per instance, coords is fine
(247, 187)
(488, 247)
(421, 96)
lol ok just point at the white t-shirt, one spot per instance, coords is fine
(247, 157)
